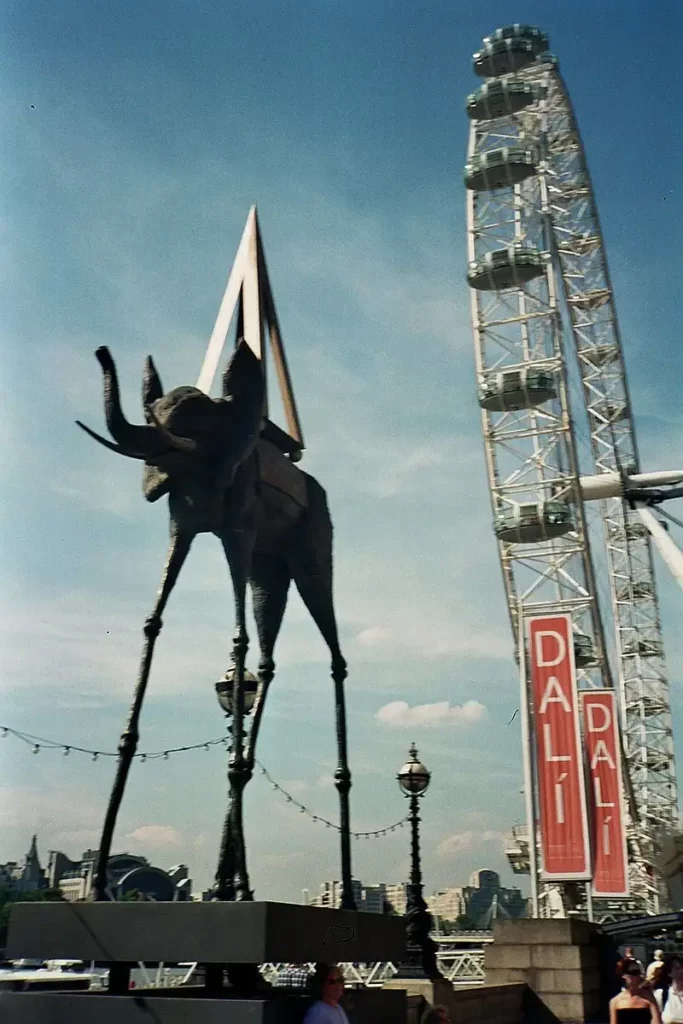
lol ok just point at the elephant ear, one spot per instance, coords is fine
(151, 387)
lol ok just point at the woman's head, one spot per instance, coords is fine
(437, 1015)
(674, 970)
(328, 983)
(630, 972)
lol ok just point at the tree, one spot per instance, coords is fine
(131, 896)
(8, 897)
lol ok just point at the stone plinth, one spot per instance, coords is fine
(236, 936)
(247, 933)
(160, 1007)
(558, 960)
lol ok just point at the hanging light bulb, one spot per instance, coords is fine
(36, 748)
(67, 751)
(95, 755)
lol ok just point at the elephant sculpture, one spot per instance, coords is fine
(222, 475)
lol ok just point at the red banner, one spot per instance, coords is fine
(559, 764)
(603, 757)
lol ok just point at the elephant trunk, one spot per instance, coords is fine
(144, 440)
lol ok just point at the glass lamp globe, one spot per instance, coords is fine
(224, 691)
(413, 776)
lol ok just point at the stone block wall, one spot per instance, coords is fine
(493, 1004)
(558, 960)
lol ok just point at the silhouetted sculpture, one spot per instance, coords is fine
(223, 477)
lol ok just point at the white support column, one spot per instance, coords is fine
(664, 544)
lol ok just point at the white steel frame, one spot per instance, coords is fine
(531, 454)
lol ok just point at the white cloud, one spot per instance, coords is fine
(47, 809)
(463, 842)
(375, 636)
(434, 636)
(157, 835)
(400, 715)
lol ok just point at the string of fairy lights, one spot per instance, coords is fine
(38, 743)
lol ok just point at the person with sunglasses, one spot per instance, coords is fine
(327, 988)
(635, 1004)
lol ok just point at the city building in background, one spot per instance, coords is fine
(127, 873)
(28, 876)
(396, 897)
(482, 901)
(331, 894)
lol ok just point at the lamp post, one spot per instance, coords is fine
(237, 697)
(413, 780)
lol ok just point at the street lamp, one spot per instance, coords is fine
(413, 780)
(224, 691)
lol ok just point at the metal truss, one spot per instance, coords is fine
(461, 967)
(555, 403)
(638, 642)
(530, 450)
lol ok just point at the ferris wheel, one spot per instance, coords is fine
(556, 413)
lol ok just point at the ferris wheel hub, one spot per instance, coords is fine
(614, 485)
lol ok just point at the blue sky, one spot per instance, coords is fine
(136, 136)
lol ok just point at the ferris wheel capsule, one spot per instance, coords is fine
(506, 268)
(537, 40)
(500, 168)
(501, 97)
(549, 59)
(516, 389)
(584, 650)
(532, 522)
(503, 57)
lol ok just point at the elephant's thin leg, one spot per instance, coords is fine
(237, 545)
(270, 579)
(316, 592)
(177, 553)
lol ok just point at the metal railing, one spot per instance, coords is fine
(461, 967)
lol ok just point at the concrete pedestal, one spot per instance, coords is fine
(235, 936)
(558, 960)
(190, 1007)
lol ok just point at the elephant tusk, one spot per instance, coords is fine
(108, 444)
